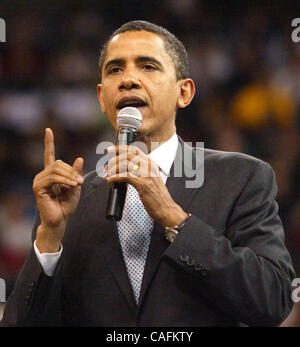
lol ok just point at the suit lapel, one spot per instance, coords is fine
(111, 249)
(177, 189)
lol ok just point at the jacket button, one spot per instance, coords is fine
(198, 267)
(183, 258)
(27, 300)
(204, 272)
(30, 287)
(190, 262)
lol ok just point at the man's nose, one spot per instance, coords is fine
(129, 80)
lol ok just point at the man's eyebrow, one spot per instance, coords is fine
(148, 59)
(141, 59)
(114, 62)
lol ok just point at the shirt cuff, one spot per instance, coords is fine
(48, 261)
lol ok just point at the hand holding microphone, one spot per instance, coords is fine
(129, 120)
(137, 169)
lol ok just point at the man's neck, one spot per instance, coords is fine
(153, 141)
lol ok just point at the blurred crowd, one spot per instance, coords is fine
(244, 63)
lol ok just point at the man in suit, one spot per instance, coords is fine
(215, 255)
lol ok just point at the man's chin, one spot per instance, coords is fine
(141, 136)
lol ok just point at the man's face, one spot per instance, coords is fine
(138, 72)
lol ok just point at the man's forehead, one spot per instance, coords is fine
(138, 40)
(137, 35)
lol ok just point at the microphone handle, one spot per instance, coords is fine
(117, 192)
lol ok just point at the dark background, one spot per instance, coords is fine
(244, 63)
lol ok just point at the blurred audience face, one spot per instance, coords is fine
(138, 71)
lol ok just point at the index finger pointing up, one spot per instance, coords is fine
(49, 153)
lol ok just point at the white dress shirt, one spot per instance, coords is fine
(163, 156)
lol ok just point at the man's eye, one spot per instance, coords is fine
(149, 67)
(114, 70)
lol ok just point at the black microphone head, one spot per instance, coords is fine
(129, 117)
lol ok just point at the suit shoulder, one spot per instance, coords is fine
(234, 163)
(216, 156)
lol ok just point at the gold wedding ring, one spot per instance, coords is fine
(136, 167)
(135, 170)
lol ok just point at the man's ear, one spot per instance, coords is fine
(186, 92)
(100, 97)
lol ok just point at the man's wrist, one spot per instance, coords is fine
(172, 232)
(175, 217)
(48, 261)
(47, 241)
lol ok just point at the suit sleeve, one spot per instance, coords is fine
(36, 297)
(246, 271)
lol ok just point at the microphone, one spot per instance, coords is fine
(129, 120)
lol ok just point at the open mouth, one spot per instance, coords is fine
(131, 102)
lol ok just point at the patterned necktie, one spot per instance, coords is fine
(135, 230)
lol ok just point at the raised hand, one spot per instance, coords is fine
(57, 191)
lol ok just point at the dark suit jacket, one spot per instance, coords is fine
(228, 265)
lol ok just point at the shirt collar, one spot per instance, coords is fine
(164, 155)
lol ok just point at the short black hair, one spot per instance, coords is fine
(174, 47)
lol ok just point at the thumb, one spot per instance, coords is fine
(78, 165)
